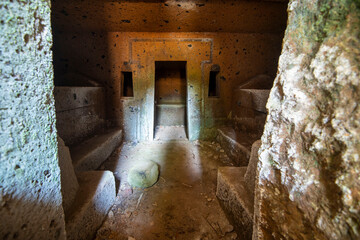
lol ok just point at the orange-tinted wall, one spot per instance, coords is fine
(100, 39)
(102, 56)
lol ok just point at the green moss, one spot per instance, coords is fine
(273, 164)
(316, 21)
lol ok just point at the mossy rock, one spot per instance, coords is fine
(144, 174)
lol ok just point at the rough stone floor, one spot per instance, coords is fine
(181, 205)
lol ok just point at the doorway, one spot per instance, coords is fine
(170, 100)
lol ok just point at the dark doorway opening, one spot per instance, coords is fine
(170, 100)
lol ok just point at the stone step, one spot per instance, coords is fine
(236, 145)
(235, 199)
(170, 114)
(93, 200)
(91, 153)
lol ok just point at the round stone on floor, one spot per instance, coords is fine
(143, 174)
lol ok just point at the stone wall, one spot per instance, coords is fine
(30, 196)
(104, 55)
(99, 39)
(309, 168)
(80, 113)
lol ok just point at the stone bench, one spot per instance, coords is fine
(92, 203)
(87, 197)
(235, 190)
(236, 145)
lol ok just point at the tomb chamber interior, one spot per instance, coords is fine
(179, 119)
(159, 73)
(114, 49)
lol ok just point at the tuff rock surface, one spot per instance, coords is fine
(30, 183)
(309, 167)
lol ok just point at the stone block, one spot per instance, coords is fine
(259, 99)
(143, 174)
(69, 182)
(246, 102)
(235, 199)
(242, 98)
(236, 145)
(251, 125)
(93, 201)
(79, 124)
(69, 98)
(250, 174)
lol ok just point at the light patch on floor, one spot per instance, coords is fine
(167, 133)
(181, 205)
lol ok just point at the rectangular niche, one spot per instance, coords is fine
(127, 84)
(214, 84)
(170, 99)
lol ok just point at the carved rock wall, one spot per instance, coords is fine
(309, 167)
(30, 194)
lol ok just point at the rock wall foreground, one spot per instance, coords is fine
(30, 187)
(309, 167)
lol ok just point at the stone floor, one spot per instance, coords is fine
(181, 205)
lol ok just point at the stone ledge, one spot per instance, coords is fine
(90, 154)
(236, 146)
(235, 199)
